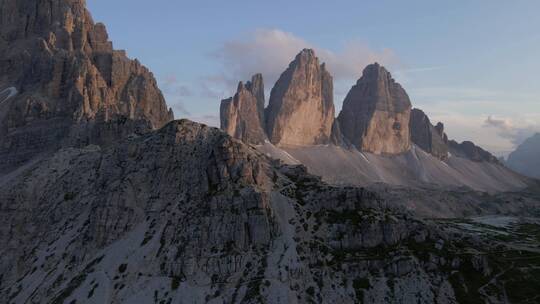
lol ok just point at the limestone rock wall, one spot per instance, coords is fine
(241, 115)
(67, 74)
(301, 107)
(376, 113)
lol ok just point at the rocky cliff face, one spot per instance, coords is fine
(525, 159)
(376, 113)
(186, 213)
(69, 81)
(428, 137)
(432, 139)
(301, 107)
(242, 116)
(256, 87)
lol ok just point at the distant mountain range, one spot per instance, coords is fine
(526, 158)
(377, 136)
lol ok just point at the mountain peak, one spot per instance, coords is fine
(65, 69)
(241, 115)
(525, 158)
(256, 87)
(376, 113)
(301, 107)
(310, 53)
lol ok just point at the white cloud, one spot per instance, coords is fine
(465, 111)
(507, 129)
(491, 118)
(176, 94)
(269, 51)
(349, 63)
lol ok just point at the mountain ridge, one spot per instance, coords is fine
(72, 87)
(122, 204)
(377, 124)
(525, 158)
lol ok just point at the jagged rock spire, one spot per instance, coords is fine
(256, 87)
(241, 116)
(301, 107)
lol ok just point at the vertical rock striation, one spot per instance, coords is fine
(376, 112)
(242, 115)
(256, 87)
(428, 137)
(71, 83)
(301, 107)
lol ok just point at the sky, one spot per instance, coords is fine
(471, 64)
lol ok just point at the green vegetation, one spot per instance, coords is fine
(122, 268)
(175, 283)
(68, 196)
(360, 285)
(529, 230)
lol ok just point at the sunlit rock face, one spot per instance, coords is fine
(301, 107)
(376, 113)
(73, 87)
(242, 115)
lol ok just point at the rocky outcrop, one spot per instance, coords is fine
(241, 115)
(376, 112)
(301, 107)
(431, 139)
(471, 151)
(70, 81)
(525, 159)
(186, 213)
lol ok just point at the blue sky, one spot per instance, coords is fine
(471, 64)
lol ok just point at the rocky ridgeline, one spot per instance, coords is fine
(376, 115)
(73, 87)
(525, 158)
(188, 213)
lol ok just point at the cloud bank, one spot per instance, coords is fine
(269, 51)
(505, 128)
